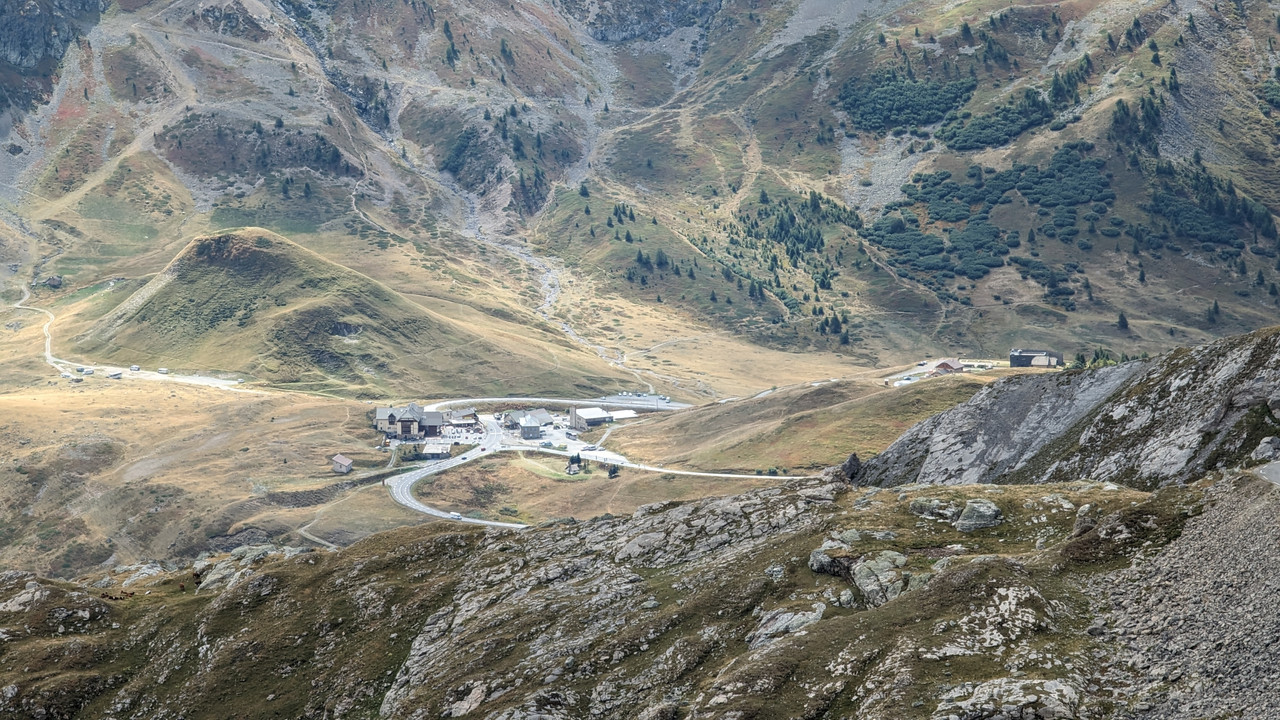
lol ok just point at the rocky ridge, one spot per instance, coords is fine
(1142, 423)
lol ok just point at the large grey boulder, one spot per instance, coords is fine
(979, 514)
(879, 578)
(820, 561)
(1268, 449)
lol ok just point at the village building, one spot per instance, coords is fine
(342, 464)
(411, 421)
(1019, 357)
(529, 428)
(541, 416)
(624, 415)
(466, 417)
(584, 418)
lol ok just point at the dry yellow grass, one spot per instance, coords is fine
(536, 488)
(803, 428)
(161, 468)
(668, 348)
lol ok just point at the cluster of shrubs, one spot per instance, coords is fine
(889, 100)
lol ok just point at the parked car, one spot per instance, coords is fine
(88, 371)
(163, 371)
(591, 447)
(455, 516)
(80, 369)
(546, 443)
(134, 368)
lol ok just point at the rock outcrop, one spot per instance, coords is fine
(1143, 423)
(979, 514)
(624, 20)
(33, 31)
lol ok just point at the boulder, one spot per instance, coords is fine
(934, 509)
(979, 514)
(850, 536)
(1268, 449)
(879, 578)
(781, 621)
(850, 468)
(820, 560)
(1086, 520)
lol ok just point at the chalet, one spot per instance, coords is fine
(529, 428)
(583, 418)
(408, 422)
(341, 464)
(946, 366)
(1019, 357)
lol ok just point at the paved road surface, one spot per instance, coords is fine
(401, 486)
(650, 402)
(67, 366)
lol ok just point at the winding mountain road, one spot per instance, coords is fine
(494, 441)
(66, 366)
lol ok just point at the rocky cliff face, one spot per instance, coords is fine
(621, 21)
(33, 31)
(1145, 424)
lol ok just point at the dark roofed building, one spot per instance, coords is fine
(1020, 357)
(409, 421)
(529, 428)
(465, 416)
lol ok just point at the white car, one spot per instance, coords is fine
(455, 516)
(163, 371)
(134, 368)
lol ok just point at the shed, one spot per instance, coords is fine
(341, 464)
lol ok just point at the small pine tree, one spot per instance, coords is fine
(713, 296)
(1122, 322)
(583, 191)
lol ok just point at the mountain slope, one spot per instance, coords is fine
(251, 301)
(733, 168)
(816, 598)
